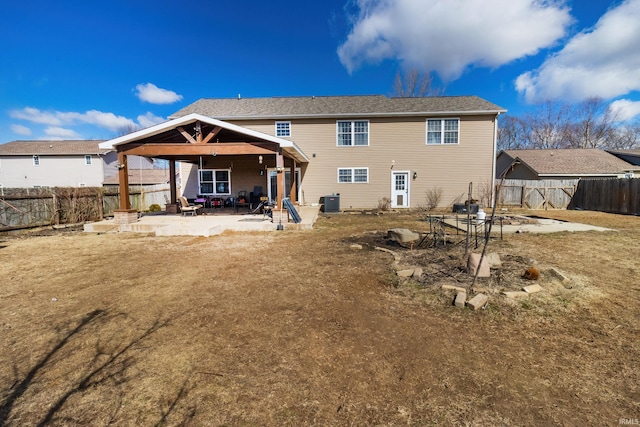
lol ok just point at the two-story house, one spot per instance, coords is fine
(365, 148)
(72, 163)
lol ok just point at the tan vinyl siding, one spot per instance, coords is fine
(53, 171)
(403, 140)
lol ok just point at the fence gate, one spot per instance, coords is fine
(537, 194)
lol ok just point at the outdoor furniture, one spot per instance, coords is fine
(185, 207)
(242, 201)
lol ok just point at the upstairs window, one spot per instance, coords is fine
(352, 133)
(87, 159)
(36, 160)
(283, 129)
(443, 131)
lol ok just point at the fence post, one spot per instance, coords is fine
(56, 210)
(100, 200)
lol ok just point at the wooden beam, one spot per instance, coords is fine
(172, 182)
(293, 194)
(123, 182)
(186, 135)
(212, 134)
(222, 149)
(280, 178)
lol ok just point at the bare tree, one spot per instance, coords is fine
(593, 124)
(512, 133)
(414, 83)
(127, 129)
(547, 126)
(626, 137)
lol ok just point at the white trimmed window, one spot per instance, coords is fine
(36, 160)
(353, 175)
(214, 181)
(443, 131)
(353, 132)
(87, 159)
(283, 129)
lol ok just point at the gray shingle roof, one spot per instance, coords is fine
(571, 161)
(51, 148)
(335, 106)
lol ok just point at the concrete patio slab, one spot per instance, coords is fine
(203, 225)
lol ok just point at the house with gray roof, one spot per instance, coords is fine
(630, 156)
(369, 150)
(562, 164)
(72, 163)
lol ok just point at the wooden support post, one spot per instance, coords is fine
(56, 210)
(172, 182)
(123, 180)
(293, 193)
(280, 177)
(100, 198)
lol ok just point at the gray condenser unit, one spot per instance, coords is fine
(332, 203)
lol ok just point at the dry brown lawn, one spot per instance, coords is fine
(297, 328)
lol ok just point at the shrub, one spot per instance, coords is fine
(434, 197)
(155, 208)
(384, 204)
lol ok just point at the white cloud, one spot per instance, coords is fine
(449, 35)
(36, 116)
(149, 119)
(20, 130)
(61, 118)
(601, 62)
(154, 95)
(625, 109)
(54, 132)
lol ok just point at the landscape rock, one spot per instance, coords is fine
(493, 259)
(478, 301)
(461, 299)
(558, 275)
(417, 273)
(402, 235)
(532, 289)
(453, 288)
(472, 266)
(405, 273)
(356, 246)
(515, 294)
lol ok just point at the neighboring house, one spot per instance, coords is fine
(629, 156)
(561, 164)
(365, 148)
(73, 163)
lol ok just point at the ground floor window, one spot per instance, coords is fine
(214, 181)
(353, 175)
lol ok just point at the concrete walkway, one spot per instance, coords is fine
(529, 225)
(203, 225)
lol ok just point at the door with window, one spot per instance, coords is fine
(400, 189)
(273, 183)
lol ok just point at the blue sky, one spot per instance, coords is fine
(77, 69)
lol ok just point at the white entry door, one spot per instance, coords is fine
(400, 189)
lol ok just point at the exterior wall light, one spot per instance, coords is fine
(415, 175)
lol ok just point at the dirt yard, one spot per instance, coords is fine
(299, 328)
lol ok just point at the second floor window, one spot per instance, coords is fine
(443, 131)
(352, 133)
(87, 159)
(36, 160)
(283, 129)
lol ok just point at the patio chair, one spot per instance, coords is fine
(185, 207)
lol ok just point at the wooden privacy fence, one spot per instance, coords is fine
(608, 195)
(32, 207)
(536, 194)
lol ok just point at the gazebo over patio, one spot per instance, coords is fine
(228, 156)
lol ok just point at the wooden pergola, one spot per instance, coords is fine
(190, 137)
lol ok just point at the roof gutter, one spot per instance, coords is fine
(351, 115)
